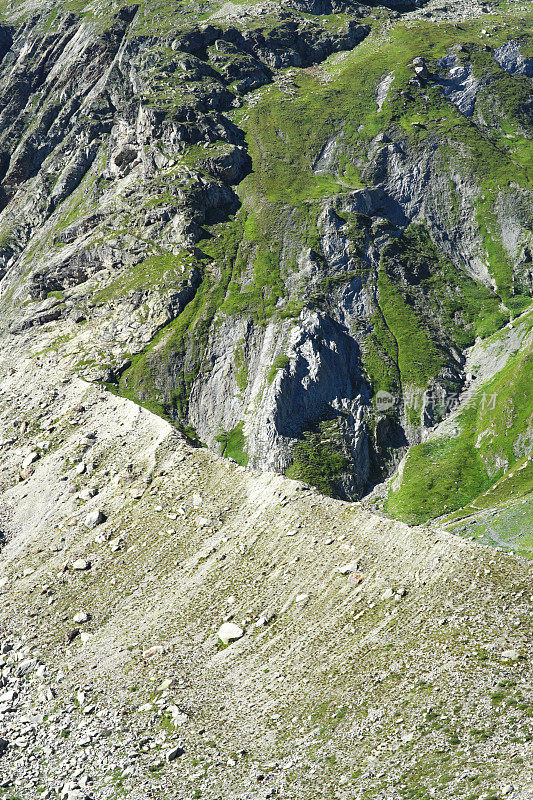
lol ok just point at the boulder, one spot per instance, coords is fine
(229, 632)
(81, 617)
(175, 753)
(94, 518)
(81, 564)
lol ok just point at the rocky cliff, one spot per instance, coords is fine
(299, 234)
(260, 223)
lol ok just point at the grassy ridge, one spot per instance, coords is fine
(493, 433)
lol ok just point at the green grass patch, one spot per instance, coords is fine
(161, 271)
(280, 362)
(424, 306)
(234, 444)
(495, 433)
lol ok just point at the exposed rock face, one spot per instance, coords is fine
(90, 113)
(128, 143)
(510, 58)
(320, 379)
(323, 374)
(459, 86)
(128, 166)
(273, 228)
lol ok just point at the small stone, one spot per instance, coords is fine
(80, 468)
(81, 617)
(229, 632)
(157, 650)
(175, 753)
(387, 594)
(81, 564)
(116, 544)
(96, 517)
(71, 635)
(164, 685)
(347, 568)
(510, 655)
(179, 717)
(30, 459)
(25, 667)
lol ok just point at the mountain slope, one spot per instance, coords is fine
(376, 659)
(300, 234)
(263, 221)
(480, 456)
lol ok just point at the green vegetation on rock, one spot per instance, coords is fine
(318, 460)
(280, 362)
(492, 433)
(350, 204)
(161, 272)
(233, 444)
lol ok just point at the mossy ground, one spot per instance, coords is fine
(162, 272)
(424, 305)
(233, 444)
